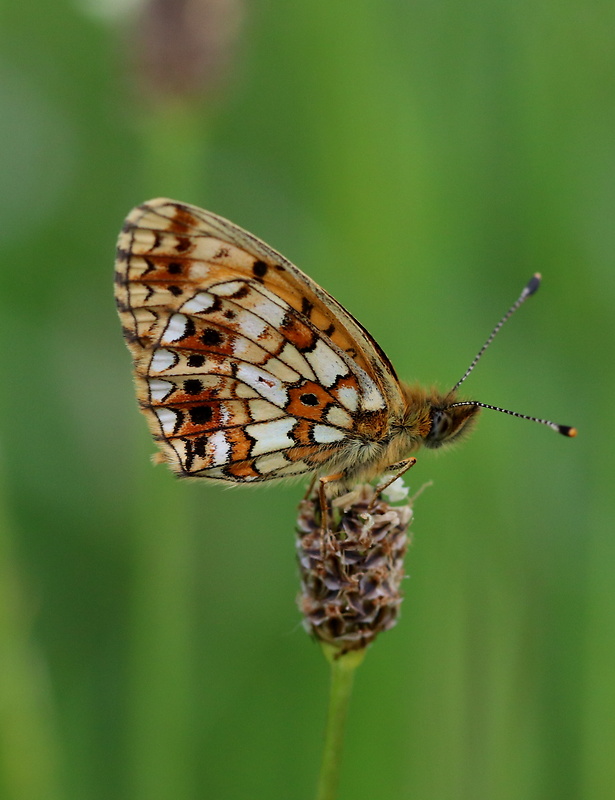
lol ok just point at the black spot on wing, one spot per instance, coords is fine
(200, 446)
(306, 306)
(193, 386)
(259, 268)
(183, 244)
(211, 337)
(201, 415)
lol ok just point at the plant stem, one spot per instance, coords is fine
(342, 675)
(175, 150)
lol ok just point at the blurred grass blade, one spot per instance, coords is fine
(29, 743)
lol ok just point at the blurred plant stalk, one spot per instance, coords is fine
(184, 48)
(29, 757)
(181, 58)
(350, 592)
(180, 53)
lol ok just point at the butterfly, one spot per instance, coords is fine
(247, 370)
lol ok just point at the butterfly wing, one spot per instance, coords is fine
(245, 368)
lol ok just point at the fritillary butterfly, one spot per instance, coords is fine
(246, 370)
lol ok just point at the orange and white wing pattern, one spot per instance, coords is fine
(246, 370)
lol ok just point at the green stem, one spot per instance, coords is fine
(175, 150)
(342, 675)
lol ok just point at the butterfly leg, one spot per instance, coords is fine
(400, 468)
(324, 503)
(310, 488)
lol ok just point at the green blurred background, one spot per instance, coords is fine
(420, 160)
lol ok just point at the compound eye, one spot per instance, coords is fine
(440, 425)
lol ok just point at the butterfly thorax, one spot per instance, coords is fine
(426, 419)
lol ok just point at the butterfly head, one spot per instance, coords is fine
(433, 418)
(448, 422)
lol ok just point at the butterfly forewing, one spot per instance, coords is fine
(245, 368)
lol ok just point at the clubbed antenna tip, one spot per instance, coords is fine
(533, 284)
(566, 430)
(528, 290)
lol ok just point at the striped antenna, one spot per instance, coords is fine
(528, 291)
(565, 430)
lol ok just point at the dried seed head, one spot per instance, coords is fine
(350, 578)
(184, 47)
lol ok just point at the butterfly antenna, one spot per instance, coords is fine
(565, 430)
(528, 291)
